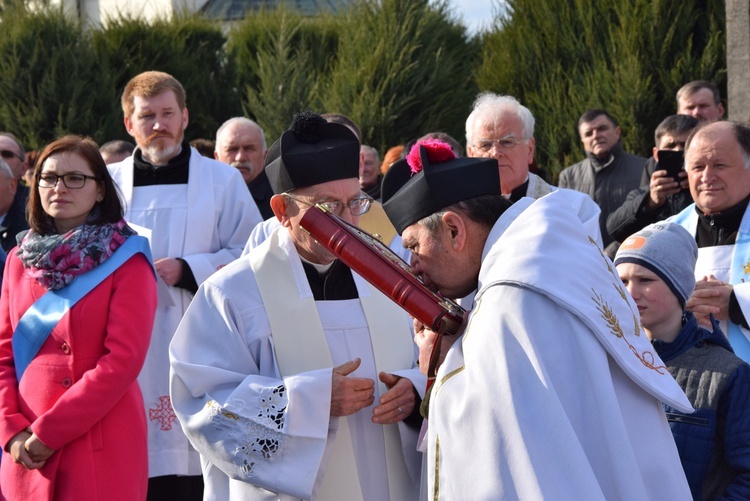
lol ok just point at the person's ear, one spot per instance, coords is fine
(279, 207)
(455, 230)
(129, 126)
(283, 209)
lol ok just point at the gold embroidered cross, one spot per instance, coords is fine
(746, 268)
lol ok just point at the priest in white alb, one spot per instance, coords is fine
(553, 391)
(293, 377)
(200, 215)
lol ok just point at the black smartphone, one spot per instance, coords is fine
(672, 162)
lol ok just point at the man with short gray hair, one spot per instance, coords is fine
(240, 142)
(370, 177)
(717, 161)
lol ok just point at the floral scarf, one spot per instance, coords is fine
(55, 260)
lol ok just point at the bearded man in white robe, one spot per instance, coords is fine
(292, 376)
(200, 215)
(553, 391)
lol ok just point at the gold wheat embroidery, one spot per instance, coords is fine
(647, 357)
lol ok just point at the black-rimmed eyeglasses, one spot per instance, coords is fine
(71, 181)
(357, 206)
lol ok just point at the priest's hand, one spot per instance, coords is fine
(37, 450)
(397, 403)
(350, 394)
(711, 296)
(425, 340)
(169, 269)
(17, 450)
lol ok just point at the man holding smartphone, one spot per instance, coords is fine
(666, 193)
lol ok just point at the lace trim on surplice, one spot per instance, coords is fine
(258, 439)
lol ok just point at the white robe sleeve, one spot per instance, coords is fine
(236, 216)
(233, 406)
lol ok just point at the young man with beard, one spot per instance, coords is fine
(200, 214)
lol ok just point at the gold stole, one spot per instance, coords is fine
(301, 345)
(376, 223)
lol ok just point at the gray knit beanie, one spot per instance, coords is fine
(668, 250)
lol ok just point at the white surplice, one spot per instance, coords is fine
(261, 434)
(554, 391)
(206, 222)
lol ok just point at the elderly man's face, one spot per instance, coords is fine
(513, 157)
(11, 153)
(158, 126)
(599, 136)
(241, 146)
(369, 168)
(701, 105)
(716, 171)
(342, 190)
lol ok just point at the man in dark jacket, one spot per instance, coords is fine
(608, 173)
(661, 196)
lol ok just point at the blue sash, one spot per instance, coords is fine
(688, 219)
(37, 323)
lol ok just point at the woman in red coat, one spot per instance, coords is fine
(72, 421)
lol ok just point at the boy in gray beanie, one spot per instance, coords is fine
(656, 265)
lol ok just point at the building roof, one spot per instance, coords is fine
(233, 10)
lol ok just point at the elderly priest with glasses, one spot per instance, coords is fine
(291, 375)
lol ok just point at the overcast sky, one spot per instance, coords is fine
(475, 13)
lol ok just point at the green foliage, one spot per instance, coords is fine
(403, 69)
(399, 68)
(280, 55)
(189, 48)
(58, 77)
(44, 57)
(628, 57)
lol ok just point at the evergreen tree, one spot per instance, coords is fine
(403, 69)
(280, 56)
(628, 57)
(188, 47)
(48, 71)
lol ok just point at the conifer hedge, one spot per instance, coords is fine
(400, 68)
(561, 58)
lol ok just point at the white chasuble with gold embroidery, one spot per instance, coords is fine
(554, 391)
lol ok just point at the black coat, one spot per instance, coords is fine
(15, 219)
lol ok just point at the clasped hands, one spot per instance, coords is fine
(711, 296)
(26, 449)
(350, 394)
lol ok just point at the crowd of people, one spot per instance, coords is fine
(169, 330)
